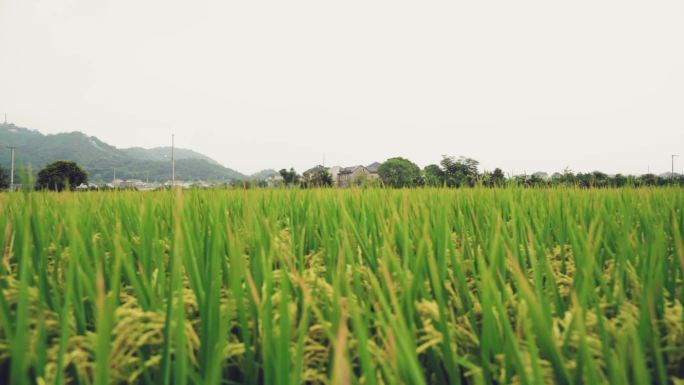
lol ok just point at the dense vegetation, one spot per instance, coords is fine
(4, 178)
(61, 175)
(470, 286)
(460, 172)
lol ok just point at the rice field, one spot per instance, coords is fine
(429, 286)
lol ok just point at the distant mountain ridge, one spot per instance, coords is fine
(164, 154)
(263, 174)
(101, 160)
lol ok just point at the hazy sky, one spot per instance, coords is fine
(523, 85)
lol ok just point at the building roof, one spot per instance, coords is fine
(373, 167)
(349, 170)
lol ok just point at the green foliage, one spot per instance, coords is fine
(4, 178)
(433, 176)
(60, 175)
(362, 180)
(598, 179)
(320, 178)
(374, 286)
(455, 172)
(497, 178)
(461, 172)
(399, 172)
(290, 177)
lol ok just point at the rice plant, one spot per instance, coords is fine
(359, 286)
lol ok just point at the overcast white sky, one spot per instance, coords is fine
(522, 85)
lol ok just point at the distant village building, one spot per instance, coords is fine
(151, 186)
(200, 184)
(86, 187)
(356, 175)
(373, 169)
(275, 180)
(348, 176)
(131, 184)
(177, 183)
(334, 172)
(341, 176)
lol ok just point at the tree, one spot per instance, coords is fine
(459, 172)
(537, 179)
(433, 176)
(60, 174)
(320, 178)
(289, 177)
(619, 180)
(568, 177)
(599, 179)
(522, 180)
(4, 179)
(497, 178)
(399, 172)
(649, 180)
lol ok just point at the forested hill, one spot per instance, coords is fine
(100, 159)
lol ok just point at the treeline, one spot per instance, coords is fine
(457, 172)
(399, 172)
(463, 172)
(597, 179)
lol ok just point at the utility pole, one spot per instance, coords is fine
(5, 117)
(12, 148)
(173, 162)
